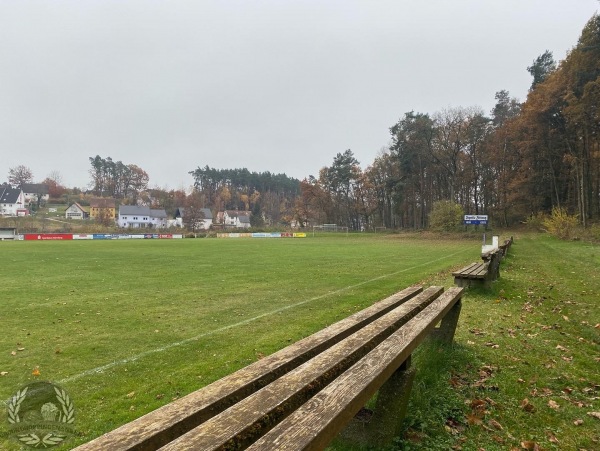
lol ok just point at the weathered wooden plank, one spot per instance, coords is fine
(161, 426)
(312, 426)
(482, 271)
(466, 269)
(473, 271)
(254, 415)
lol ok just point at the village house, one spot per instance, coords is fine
(141, 217)
(36, 193)
(12, 201)
(76, 211)
(235, 219)
(201, 224)
(103, 209)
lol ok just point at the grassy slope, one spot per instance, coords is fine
(166, 317)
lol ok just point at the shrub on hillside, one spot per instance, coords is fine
(560, 223)
(446, 216)
(535, 222)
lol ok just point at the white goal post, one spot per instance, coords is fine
(329, 228)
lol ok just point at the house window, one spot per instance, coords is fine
(135, 218)
(124, 217)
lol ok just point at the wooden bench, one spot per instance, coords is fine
(504, 247)
(483, 272)
(302, 396)
(473, 273)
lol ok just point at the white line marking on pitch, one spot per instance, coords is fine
(101, 369)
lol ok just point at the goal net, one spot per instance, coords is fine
(329, 228)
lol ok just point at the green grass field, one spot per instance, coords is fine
(128, 326)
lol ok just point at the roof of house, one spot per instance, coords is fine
(79, 207)
(205, 211)
(234, 213)
(103, 202)
(158, 214)
(133, 210)
(9, 195)
(35, 188)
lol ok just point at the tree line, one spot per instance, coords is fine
(268, 196)
(519, 160)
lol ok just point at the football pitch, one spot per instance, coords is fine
(127, 326)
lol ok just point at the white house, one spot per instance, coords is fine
(204, 223)
(12, 201)
(134, 216)
(35, 192)
(76, 211)
(158, 218)
(237, 219)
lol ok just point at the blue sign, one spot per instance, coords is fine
(475, 219)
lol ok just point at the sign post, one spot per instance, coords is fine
(475, 219)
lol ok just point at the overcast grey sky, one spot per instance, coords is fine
(270, 85)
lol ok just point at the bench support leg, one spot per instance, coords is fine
(391, 406)
(447, 328)
(460, 282)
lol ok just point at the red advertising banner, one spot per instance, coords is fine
(48, 236)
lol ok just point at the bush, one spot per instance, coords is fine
(535, 222)
(446, 216)
(560, 224)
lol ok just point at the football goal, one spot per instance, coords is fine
(329, 228)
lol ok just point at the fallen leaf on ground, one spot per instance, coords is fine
(490, 401)
(3, 373)
(553, 405)
(527, 406)
(474, 419)
(578, 422)
(130, 395)
(495, 424)
(551, 437)
(498, 439)
(530, 444)
(594, 414)
(478, 404)
(561, 348)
